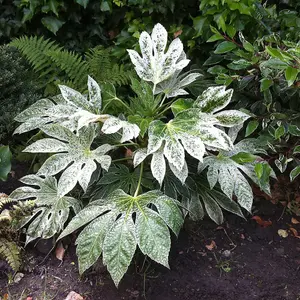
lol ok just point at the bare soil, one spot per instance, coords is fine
(246, 262)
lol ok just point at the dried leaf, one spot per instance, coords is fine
(295, 221)
(261, 222)
(60, 251)
(283, 233)
(211, 246)
(295, 232)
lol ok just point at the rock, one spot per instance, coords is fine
(74, 296)
(226, 253)
(18, 277)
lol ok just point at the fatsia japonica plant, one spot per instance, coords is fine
(138, 199)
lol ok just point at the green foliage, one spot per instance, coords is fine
(5, 164)
(10, 213)
(19, 89)
(55, 65)
(149, 189)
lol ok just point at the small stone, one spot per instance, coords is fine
(18, 277)
(74, 296)
(226, 253)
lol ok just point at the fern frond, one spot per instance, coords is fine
(35, 50)
(103, 69)
(10, 251)
(75, 68)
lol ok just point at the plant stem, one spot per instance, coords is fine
(122, 159)
(140, 180)
(126, 144)
(163, 100)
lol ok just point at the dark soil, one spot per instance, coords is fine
(248, 262)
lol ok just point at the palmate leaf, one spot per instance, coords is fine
(52, 209)
(73, 155)
(202, 199)
(119, 224)
(229, 168)
(191, 130)
(155, 65)
(74, 111)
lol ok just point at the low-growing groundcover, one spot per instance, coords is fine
(179, 155)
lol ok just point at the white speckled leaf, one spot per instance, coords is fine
(155, 65)
(174, 152)
(52, 210)
(230, 118)
(153, 236)
(47, 145)
(158, 166)
(214, 99)
(180, 174)
(243, 192)
(139, 156)
(123, 221)
(194, 146)
(170, 212)
(113, 125)
(226, 179)
(119, 247)
(78, 158)
(94, 93)
(90, 241)
(74, 98)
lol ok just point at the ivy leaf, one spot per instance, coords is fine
(52, 209)
(5, 162)
(155, 65)
(225, 47)
(83, 3)
(73, 155)
(132, 221)
(52, 24)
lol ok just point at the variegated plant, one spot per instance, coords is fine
(162, 138)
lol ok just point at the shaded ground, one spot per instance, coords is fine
(249, 262)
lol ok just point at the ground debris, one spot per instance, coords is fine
(74, 296)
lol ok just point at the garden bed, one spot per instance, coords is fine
(238, 260)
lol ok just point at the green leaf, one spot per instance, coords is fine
(217, 70)
(239, 64)
(275, 53)
(243, 158)
(53, 24)
(119, 247)
(231, 31)
(5, 162)
(153, 236)
(296, 150)
(294, 173)
(181, 105)
(291, 75)
(279, 132)
(215, 37)
(274, 63)
(225, 47)
(213, 59)
(198, 24)
(259, 170)
(251, 127)
(90, 241)
(294, 130)
(83, 3)
(265, 83)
